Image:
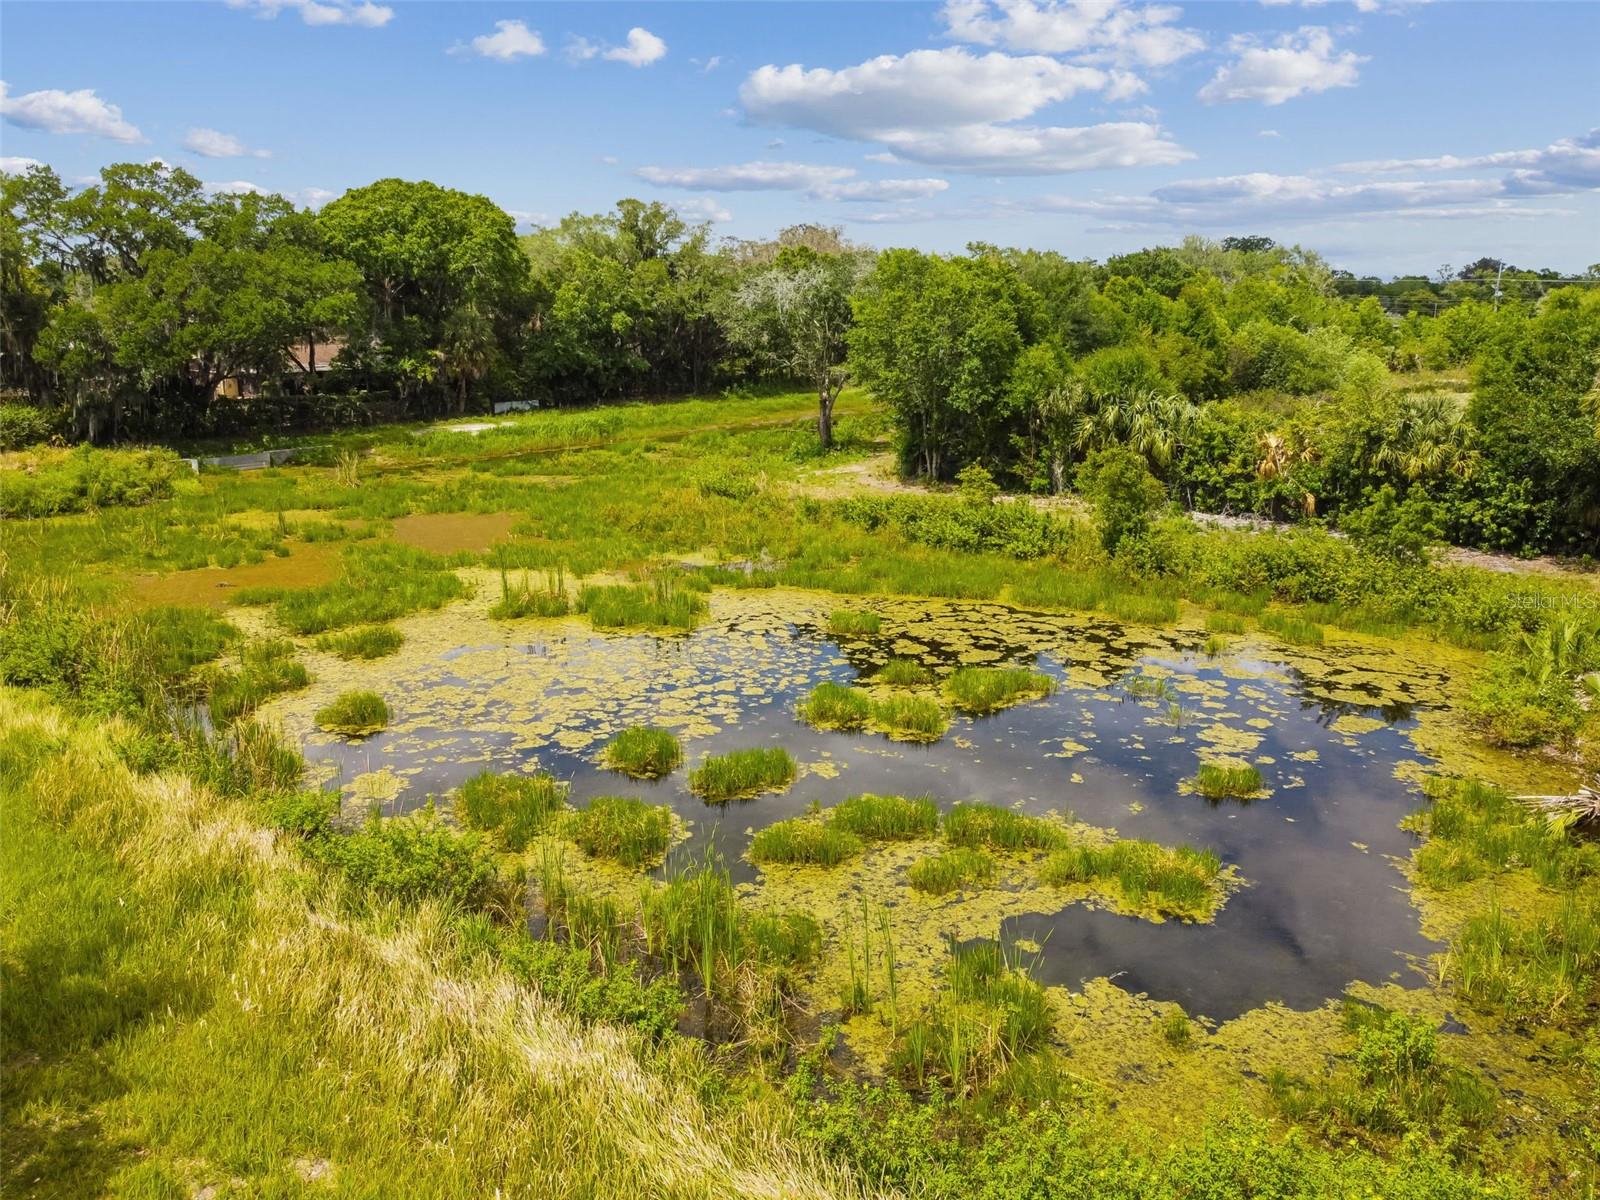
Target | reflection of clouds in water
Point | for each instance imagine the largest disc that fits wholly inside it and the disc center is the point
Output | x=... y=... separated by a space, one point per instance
x=1316 y=913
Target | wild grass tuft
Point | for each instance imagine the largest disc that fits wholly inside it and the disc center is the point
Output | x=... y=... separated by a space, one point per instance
x=266 y=668
x=381 y=581
x=623 y=828
x=1172 y=880
x=354 y=714
x=836 y=706
x=1221 y=781
x=515 y=808
x=363 y=642
x=910 y=718
x=903 y=672
x=1291 y=628
x=959 y=867
x=644 y=752
x=1224 y=622
x=662 y=603
x=845 y=622
x=528 y=600
x=743 y=773
x=1537 y=970
x=804 y=840
x=975 y=826
x=981 y=690
x=886 y=818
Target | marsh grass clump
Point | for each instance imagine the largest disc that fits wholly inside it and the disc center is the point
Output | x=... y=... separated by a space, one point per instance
x=743 y=773
x=643 y=752
x=623 y=828
x=788 y=938
x=1293 y=629
x=1398 y=1084
x=1177 y=881
x=266 y=668
x=1224 y=622
x=1537 y=970
x=530 y=600
x=1141 y=609
x=982 y=690
x=845 y=622
x=956 y=868
x=515 y=808
x=1214 y=646
x=836 y=706
x=1474 y=830
x=1176 y=1029
x=1140 y=686
x=976 y=826
x=363 y=642
x=354 y=714
x=903 y=672
x=886 y=818
x=804 y=840
x=1223 y=781
x=661 y=603
x=380 y=581
x=910 y=718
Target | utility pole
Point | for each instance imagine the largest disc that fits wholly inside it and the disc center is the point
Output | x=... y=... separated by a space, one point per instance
x=1497 y=276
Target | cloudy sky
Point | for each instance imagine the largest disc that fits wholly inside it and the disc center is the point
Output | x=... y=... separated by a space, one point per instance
x=1391 y=136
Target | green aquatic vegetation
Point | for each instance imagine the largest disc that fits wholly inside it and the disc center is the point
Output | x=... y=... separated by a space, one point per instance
x=910 y=718
x=515 y=808
x=804 y=840
x=412 y=858
x=644 y=752
x=1083 y=591
x=786 y=939
x=45 y=482
x=903 y=672
x=528 y=600
x=845 y=622
x=1222 y=781
x=1293 y=629
x=623 y=828
x=1177 y=1029
x=1213 y=646
x=355 y=714
x=662 y=603
x=1175 y=881
x=886 y=818
x=1148 y=687
x=982 y=690
x=380 y=582
x=1542 y=969
x=266 y=668
x=743 y=773
x=1474 y=830
x=836 y=706
x=975 y=826
x=178 y=639
x=1224 y=622
x=1142 y=609
x=1230 y=603
x=952 y=870
x=1398 y=1084
x=362 y=642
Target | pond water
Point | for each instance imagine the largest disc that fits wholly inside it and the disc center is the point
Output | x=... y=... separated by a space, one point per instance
x=1323 y=902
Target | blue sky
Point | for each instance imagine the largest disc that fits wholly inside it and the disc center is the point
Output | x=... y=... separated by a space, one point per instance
x=1389 y=136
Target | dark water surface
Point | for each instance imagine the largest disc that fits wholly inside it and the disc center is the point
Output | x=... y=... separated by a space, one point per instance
x=1323 y=905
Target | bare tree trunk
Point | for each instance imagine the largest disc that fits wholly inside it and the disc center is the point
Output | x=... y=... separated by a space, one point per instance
x=825 y=399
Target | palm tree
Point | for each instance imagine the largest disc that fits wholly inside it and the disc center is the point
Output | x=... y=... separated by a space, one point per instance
x=1427 y=439
x=1280 y=454
x=468 y=350
x=1150 y=422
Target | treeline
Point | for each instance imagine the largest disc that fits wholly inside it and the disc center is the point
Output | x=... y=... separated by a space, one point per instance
x=1249 y=377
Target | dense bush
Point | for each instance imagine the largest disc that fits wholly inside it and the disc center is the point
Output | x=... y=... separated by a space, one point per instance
x=43 y=483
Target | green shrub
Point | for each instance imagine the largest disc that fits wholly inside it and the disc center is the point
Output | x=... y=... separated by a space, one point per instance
x=363 y=642
x=743 y=773
x=413 y=858
x=886 y=818
x=23 y=425
x=981 y=690
x=354 y=714
x=515 y=808
x=956 y=868
x=623 y=828
x=644 y=752
x=45 y=483
x=803 y=840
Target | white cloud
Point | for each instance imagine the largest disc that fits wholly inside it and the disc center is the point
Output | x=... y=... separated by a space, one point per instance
x=703 y=208
x=641 y=49
x=1568 y=165
x=15 y=164
x=1269 y=133
x=952 y=108
x=510 y=41
x=235 y=187
x=55 y=111
x=1095 y=30
x=212 y=143
x=710 y=65
x=817 y=181
x=361 y=13
x=1295 y=64
x=580 y=49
